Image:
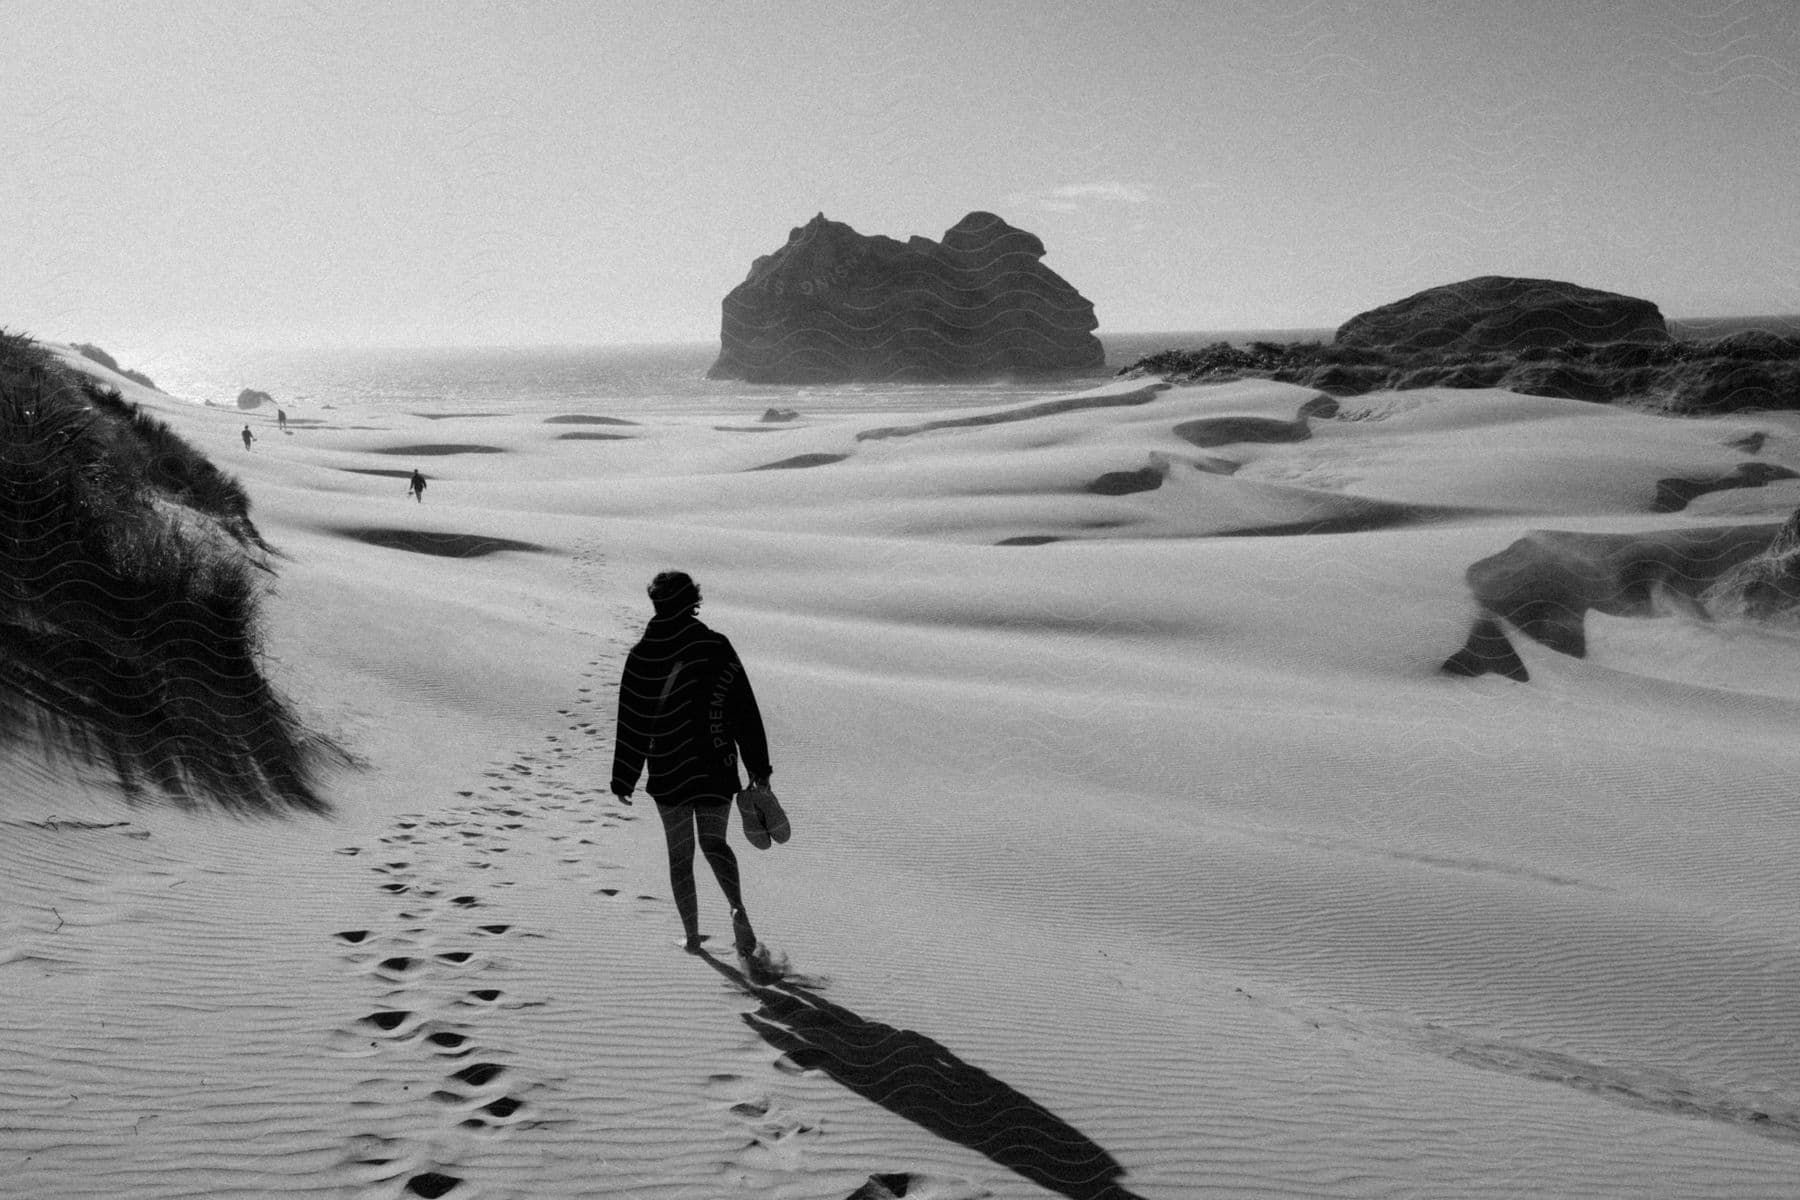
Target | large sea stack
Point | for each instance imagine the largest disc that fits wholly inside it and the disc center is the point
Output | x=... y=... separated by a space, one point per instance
x=833 y=305
x=1501 y=313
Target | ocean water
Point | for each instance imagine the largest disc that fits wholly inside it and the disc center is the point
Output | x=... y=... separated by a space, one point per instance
x=651 y=380
x=630 y=381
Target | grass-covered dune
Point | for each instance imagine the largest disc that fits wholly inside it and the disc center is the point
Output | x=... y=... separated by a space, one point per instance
x=95 y=354
x=1750 y=370
x=130 y=581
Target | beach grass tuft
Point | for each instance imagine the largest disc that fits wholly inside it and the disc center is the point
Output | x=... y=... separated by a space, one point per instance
x=131 y=579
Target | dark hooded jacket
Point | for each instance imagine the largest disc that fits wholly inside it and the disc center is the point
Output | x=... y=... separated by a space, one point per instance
x=686 y=709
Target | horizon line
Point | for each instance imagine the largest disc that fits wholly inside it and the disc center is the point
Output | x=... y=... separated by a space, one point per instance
x=1788 y=319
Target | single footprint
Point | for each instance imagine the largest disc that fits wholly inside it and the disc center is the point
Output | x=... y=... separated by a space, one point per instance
x=914 y=1186
x=391 y=1021
x=431 y=1184
x=479 y=1074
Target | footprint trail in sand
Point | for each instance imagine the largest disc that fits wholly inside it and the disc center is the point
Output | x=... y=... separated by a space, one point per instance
x=448 y=998
x=459 y=979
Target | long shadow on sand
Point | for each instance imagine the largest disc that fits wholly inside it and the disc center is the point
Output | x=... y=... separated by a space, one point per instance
x=914 y=1077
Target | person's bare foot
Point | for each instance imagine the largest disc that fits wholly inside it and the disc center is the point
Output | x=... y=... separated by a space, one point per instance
x=741 y=933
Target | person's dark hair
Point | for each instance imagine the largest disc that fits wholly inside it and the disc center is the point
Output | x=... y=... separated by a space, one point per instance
x=673 y=593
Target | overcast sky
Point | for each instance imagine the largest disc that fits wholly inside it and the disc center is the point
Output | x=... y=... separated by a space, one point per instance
x=300 y=172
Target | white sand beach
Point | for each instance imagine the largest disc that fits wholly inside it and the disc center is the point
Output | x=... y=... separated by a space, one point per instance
x=1142 y=848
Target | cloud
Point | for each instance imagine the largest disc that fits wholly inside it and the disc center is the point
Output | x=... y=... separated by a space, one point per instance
x=1078 y=197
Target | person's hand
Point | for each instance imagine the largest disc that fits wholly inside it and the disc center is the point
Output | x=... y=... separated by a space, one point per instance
x=623 y=798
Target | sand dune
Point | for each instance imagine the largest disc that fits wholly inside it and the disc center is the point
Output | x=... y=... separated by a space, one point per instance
x=1143 y=861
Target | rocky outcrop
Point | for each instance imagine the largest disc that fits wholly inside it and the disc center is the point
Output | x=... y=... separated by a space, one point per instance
x=835 y=305
x=1501 y=313
x=250 y=398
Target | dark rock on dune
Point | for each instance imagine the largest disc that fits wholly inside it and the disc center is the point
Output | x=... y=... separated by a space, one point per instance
x=1544 y=345
x=251 y=398
x=773 y=415
x=1675 y=494
x=1721 y=383
x=1545 y=583
x=1452 y=375
x=1345 y=379
x=1756 y=345
x=1503 y=313
x=835 y=305
x=1561 y=381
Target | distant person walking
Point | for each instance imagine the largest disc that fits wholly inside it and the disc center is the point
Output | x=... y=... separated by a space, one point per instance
x=281 y=419
x=248 y=437
x=416 y=487
x=686 y=709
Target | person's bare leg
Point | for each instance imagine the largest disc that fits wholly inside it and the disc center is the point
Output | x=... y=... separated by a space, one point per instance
x=712 y=821
x=678 y=828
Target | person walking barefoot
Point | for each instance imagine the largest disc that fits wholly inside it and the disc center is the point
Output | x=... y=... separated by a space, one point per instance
x=687 y=711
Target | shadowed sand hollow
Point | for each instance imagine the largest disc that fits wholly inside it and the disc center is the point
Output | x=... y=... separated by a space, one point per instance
x=1048 y=408
x=1224 y=431
x=1675 y=494
x=439 y=449
x=801 y=460
x=1125 y=483
x=440 y=544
